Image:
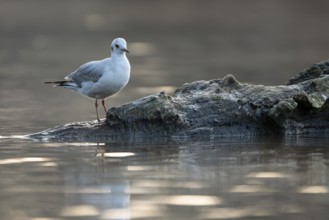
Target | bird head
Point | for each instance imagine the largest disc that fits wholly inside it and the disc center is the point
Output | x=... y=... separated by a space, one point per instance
x=119 y=46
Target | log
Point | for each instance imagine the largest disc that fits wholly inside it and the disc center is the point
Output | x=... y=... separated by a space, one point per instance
x=220 y=107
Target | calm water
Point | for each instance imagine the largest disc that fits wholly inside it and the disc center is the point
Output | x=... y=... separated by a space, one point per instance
x=222 y=179
x=171 y=43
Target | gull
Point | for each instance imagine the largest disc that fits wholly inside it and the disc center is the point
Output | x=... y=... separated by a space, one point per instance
x=100 y=79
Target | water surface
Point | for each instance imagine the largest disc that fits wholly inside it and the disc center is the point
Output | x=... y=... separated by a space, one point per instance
x=219 y=179
x=171 y=43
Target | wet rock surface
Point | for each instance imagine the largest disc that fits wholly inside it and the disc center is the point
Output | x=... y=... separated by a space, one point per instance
x=219 y=107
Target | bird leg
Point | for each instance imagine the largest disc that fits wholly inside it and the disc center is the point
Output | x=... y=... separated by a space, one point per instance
x=96 y=106
x=103 y=103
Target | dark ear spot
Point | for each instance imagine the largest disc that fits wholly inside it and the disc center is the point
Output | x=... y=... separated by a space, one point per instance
x=112 y=48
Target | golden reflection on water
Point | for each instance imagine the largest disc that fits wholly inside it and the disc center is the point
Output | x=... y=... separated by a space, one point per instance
x=86 y=144
x=313 y=189
x=135 y=212
x=123 y=213
x=115 y=154
x=139 y=168
x=234 y=213
x=144 y=209
x=23 y=160
x=267 y=175
x=251 y=189
x=192 y=200
x=244 y=212
x=79 y=210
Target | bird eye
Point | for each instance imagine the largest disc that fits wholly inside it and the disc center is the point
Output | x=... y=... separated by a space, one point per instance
x=117 y=46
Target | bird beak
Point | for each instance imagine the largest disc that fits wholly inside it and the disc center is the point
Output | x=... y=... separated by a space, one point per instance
x=125 y=50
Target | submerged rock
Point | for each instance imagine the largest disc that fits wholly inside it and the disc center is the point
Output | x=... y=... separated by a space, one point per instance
x=220 y=107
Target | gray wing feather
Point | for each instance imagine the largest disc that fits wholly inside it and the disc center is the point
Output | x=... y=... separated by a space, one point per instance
x=89 y=72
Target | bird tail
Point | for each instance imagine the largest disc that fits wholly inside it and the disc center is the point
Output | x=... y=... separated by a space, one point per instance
x=64 y=83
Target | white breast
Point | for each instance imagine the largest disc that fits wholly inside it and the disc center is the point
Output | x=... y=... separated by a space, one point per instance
x=116 y=74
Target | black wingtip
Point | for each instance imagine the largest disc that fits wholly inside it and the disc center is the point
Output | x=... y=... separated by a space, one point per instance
x=57 y=83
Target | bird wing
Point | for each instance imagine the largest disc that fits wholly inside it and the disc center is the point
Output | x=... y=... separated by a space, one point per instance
x=89 y=72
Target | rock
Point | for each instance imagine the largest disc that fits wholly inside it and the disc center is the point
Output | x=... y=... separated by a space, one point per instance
x=315 y=71
x=220 y=107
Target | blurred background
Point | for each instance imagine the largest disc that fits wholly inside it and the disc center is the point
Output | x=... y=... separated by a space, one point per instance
x=170 y=43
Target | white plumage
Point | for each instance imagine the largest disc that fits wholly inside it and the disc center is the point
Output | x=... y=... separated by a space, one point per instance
x=102 y=78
